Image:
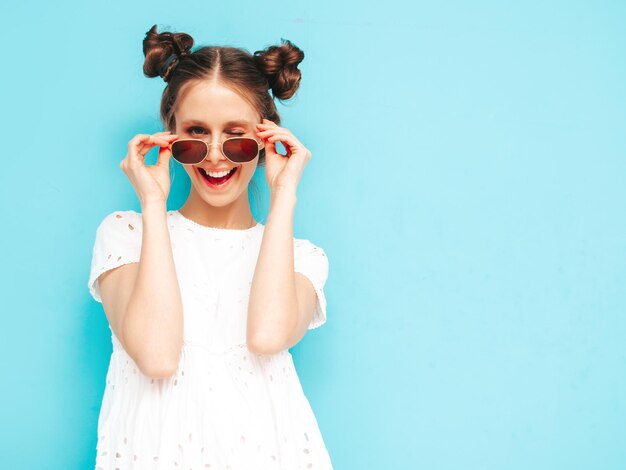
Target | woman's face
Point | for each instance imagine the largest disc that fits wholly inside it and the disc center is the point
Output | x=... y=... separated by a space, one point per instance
x=209 y=111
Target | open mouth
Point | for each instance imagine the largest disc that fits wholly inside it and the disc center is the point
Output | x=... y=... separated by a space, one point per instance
x=214 y=181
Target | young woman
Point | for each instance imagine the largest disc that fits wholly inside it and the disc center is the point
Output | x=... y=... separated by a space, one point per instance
x=203 y=302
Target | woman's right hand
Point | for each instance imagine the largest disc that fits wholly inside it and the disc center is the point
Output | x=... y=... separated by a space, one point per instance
x=151 y=183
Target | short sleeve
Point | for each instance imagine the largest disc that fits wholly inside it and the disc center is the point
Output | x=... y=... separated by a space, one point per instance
x=311 y=261
x=118 y=242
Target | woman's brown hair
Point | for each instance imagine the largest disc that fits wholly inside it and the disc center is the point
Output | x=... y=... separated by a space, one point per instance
x=251 y=75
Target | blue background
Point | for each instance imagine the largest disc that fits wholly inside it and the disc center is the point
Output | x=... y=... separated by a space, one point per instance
x=467 y=184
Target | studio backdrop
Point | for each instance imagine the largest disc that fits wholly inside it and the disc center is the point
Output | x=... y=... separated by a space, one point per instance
x=466 y=183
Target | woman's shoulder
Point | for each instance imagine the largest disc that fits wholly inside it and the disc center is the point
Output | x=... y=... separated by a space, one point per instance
x=132 y=214
x=305 y=242
x=304 y=247
x=310 y=259
x=120 y=214
x=118 y=218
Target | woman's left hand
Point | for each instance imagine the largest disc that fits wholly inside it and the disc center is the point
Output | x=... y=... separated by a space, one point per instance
x=282 y=171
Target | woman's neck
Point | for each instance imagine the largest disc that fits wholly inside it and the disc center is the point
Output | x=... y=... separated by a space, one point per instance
x=236 y=215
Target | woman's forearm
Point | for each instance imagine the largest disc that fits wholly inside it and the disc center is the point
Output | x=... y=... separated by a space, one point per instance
x=272 y=308
x=153 y=321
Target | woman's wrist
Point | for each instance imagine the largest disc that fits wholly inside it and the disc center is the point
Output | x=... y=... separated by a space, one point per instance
x=153 y=206
x=283 y=198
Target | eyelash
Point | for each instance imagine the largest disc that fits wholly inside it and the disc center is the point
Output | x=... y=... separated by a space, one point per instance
x=189 y=130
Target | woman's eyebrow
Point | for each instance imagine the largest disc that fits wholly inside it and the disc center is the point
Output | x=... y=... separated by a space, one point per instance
x=235 y=122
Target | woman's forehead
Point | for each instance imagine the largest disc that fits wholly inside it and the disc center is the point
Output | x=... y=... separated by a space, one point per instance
x=213 y=103
x=208 y=97
x=192 y=121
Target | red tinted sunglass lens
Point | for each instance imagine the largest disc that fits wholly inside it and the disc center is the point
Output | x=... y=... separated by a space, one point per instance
x=241 y=150
x=189 y=151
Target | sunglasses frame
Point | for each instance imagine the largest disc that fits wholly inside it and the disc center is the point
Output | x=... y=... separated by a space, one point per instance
x=260 y=149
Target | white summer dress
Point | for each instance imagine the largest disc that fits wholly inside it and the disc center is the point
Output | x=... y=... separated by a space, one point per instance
x=225 y=408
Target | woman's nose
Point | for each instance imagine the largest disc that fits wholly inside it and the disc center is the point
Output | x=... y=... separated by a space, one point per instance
x=215 y=153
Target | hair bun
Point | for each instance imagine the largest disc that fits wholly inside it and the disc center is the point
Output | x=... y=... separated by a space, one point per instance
x=280 y=65
x=159 y=47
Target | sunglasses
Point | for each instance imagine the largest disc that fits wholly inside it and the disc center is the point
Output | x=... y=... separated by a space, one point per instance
x=236 y=149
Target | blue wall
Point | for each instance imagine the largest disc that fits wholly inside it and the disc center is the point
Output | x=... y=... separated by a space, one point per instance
x=467 y=184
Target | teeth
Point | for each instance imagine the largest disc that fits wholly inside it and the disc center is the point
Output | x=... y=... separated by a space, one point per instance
x=217 y=174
